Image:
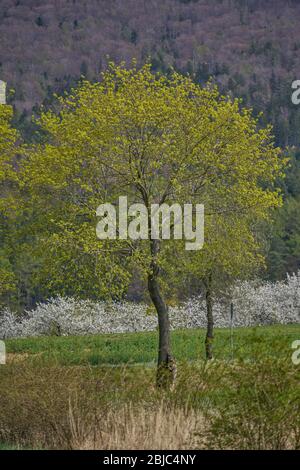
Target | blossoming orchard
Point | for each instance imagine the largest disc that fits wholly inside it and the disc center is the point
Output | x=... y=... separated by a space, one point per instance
x=255 y=304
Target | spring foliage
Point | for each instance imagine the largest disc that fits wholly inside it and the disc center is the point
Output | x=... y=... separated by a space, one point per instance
x=154 y=139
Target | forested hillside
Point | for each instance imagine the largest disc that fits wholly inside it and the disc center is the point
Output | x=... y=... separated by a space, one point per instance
x=250 y=47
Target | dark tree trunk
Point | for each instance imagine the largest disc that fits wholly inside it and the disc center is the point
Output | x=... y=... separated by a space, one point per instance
x=165 y=363
x=210 y=320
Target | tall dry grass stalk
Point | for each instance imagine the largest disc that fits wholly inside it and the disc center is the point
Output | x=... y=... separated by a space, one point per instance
x=136 y=428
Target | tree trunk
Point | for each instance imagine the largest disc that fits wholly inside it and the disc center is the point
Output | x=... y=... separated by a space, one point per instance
x=166 y=369
x=210 y=321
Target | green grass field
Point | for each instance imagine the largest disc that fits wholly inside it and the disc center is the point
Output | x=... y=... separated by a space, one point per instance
x=132 y=348
x=9 y=447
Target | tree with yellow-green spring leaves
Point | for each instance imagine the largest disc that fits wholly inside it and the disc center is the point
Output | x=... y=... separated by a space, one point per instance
x=154 y=139
x=9 y=146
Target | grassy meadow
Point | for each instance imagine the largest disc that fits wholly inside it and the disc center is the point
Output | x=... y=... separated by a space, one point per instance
x=140 y=348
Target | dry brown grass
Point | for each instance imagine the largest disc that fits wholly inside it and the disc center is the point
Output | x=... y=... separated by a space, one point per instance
x=16 y=357
x=78 y=408
x=137 y=428
x=215 y=406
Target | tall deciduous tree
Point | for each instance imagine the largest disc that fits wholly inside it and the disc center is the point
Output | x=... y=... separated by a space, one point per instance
x=155 y=140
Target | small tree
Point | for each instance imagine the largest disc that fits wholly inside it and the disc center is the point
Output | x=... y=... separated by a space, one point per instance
x=234 y=249
x=8 y=158
x=155 y=140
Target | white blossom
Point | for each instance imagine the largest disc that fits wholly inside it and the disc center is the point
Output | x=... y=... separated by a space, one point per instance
x=255 y=303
